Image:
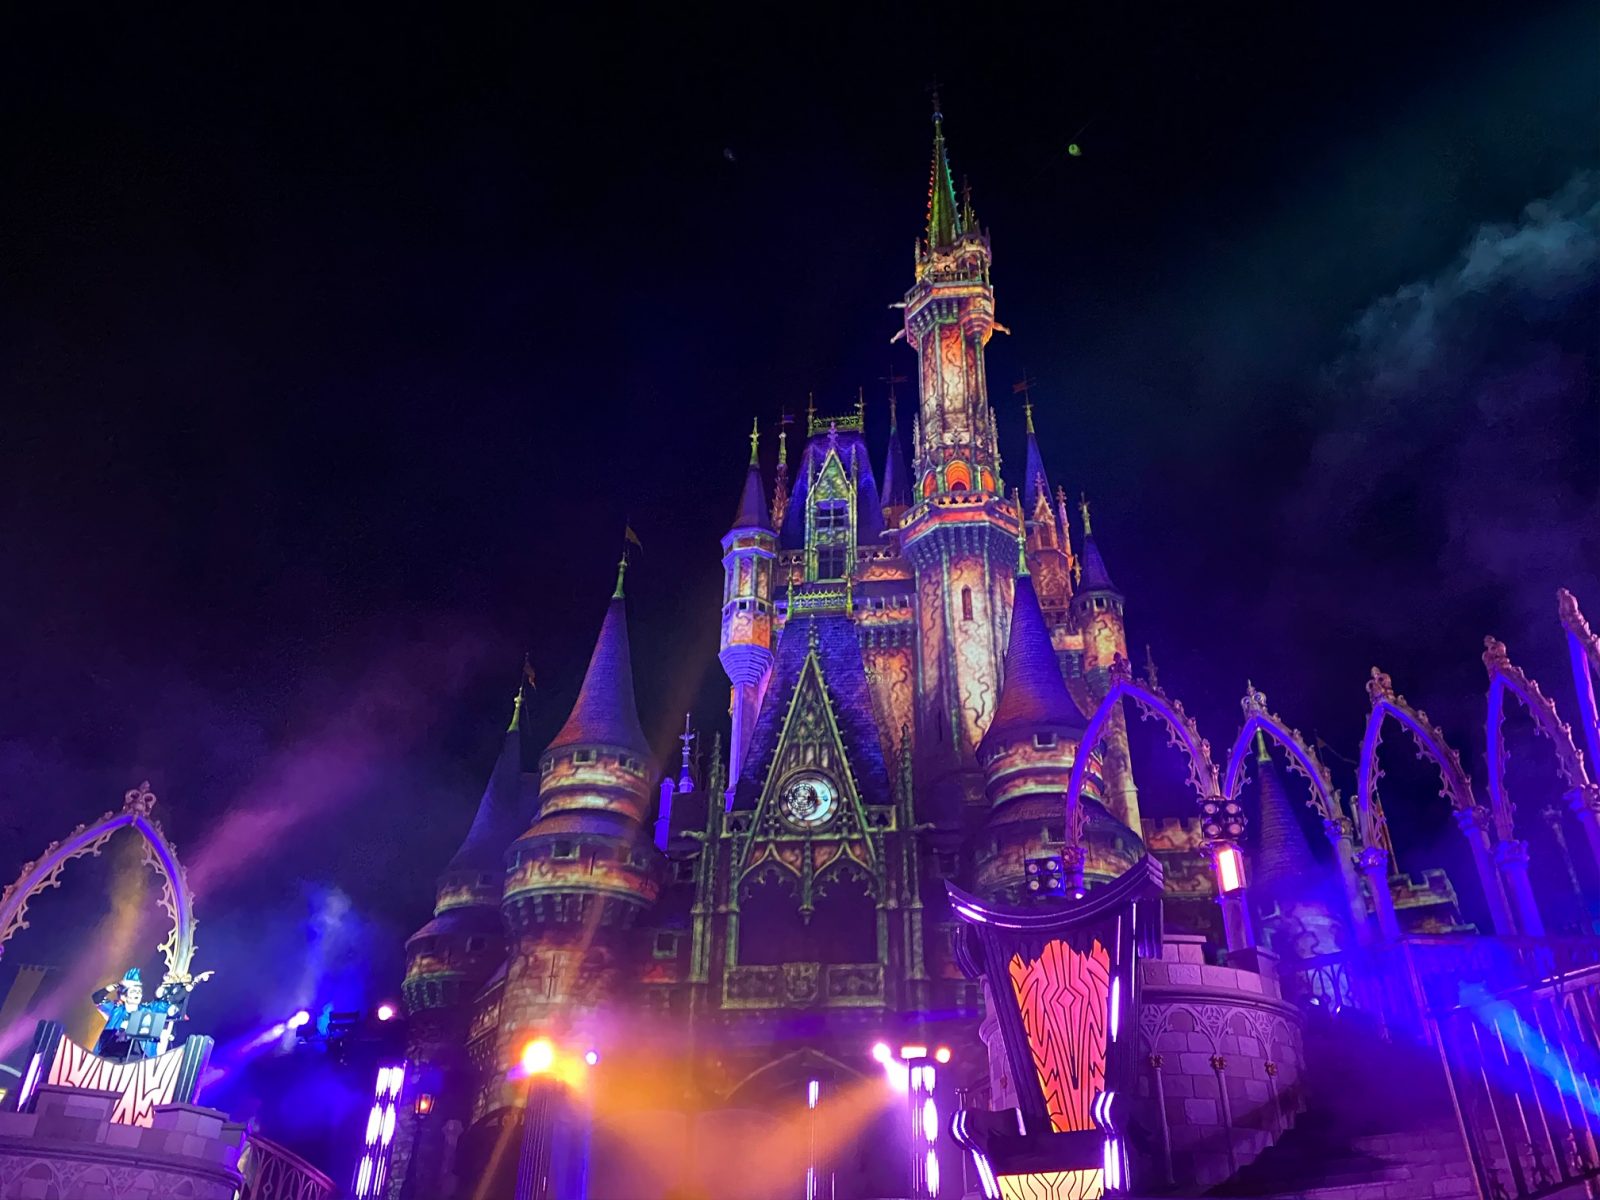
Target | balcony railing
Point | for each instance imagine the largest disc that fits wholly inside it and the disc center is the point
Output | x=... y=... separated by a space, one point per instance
x=274 y=1173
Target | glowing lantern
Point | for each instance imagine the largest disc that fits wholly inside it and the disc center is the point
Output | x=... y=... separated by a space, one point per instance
x=1230 y=868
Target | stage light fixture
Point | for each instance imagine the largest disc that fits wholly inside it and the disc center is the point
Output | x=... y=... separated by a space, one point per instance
x=538 y=1056
x=385 y=1012
x=591 y=1057
x=942 y=1054
x=300 y=1018
x=881 y=1052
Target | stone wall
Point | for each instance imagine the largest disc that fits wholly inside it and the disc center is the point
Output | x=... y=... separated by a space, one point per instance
x=68 y=1149
x=1220 y=1079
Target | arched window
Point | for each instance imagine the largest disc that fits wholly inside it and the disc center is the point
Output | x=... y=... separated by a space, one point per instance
x=844 y=920
x=771 y=930
x=966 y=604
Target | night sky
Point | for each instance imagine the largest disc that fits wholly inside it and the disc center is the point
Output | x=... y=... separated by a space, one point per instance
x=338 y=345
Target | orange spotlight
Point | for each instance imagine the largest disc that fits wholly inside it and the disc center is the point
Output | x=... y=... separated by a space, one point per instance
x=538 y=1056
x=942 y=1054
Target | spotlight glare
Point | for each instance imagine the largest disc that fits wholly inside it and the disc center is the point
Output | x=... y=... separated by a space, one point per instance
x=300 y=1018
x=278 y=1030
x=592 y=1057
x=538 y=1056
x=913 y=1052
x=881 y=1052
x=385 y=1012
x=942 y=1054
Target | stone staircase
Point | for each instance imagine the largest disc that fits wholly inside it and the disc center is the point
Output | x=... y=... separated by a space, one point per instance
x=1378 y=1125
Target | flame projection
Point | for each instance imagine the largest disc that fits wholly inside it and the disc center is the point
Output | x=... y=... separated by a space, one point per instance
x=1064 y=997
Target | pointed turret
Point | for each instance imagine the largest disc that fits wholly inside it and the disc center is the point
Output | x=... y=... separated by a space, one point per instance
x=1034 y=697
x=896 y=476
x=1097 y=613
x=605 y=713
x=1095 y=577
x=1027 y=757
x=749 y=557
x=752 y=512
x=1298 y=901
x=1283 y=855
x=584 y=870
x=451 y=957
x=501 y=815
x=944 y=218
x=1034 y=480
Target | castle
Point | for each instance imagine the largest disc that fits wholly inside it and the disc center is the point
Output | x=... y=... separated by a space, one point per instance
x=913 y=656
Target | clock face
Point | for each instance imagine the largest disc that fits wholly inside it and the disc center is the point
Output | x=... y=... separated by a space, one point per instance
x=809 y=801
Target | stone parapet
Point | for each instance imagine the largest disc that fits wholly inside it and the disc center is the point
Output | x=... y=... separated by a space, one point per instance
x=1223 y=1060
x=68 y=1147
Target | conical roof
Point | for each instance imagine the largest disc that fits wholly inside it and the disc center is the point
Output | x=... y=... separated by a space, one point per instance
x=1035 y=694
x=606 y=713
x=1033 y=474
x=1095 y=576
x=1282 y=853
x=500 y=815
x=752 y=512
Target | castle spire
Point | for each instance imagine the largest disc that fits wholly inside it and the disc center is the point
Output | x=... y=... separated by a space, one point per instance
x=1095 y=577
x=500 y=816
x=896 y=476
x=752 y=512
x=605 y=713
x=944 y=219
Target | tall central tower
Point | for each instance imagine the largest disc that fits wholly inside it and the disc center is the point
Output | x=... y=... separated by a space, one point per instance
x=961 y=533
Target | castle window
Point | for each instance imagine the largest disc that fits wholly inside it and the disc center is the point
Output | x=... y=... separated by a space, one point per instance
x=833 y=516
x=1054 y=833
x=477 y=944
x=666 y=945
x=683 y=870
x=583 y=756
x=547 y=766
x=564 y=850
x=1044 y=741
x=830 y=562
x=966 y=604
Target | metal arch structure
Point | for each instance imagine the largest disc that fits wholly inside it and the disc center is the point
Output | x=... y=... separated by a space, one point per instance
x=1505 y=676
x=45 y=872
x=1584 y=649
x=1324 y=797
x=1455 y=786
x=1303 y=759
x=1153 y=703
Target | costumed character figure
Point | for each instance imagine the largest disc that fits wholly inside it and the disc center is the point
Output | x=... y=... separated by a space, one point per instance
x=136 y=1027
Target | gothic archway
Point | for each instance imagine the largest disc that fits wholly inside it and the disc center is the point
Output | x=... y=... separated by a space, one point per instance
x=772 y=928
x=1505 y=676
x=1153 y=704
x=1302 y=759
x=1455 y=786
x=1324 y=799
x=45 y=872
